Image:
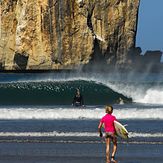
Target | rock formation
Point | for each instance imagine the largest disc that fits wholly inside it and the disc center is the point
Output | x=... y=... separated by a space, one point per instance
x=66 y=34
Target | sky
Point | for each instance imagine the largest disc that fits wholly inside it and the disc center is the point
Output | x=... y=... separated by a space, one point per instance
x=150 y=25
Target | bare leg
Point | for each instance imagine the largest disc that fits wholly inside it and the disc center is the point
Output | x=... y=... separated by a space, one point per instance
x=114 y=149
x=107 y=140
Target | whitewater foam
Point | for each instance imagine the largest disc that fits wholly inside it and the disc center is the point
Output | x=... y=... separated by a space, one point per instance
x=74 y=134
x=152 y=96
x=76 y=113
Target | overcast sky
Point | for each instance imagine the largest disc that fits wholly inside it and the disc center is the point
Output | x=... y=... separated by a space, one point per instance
x=150 y=25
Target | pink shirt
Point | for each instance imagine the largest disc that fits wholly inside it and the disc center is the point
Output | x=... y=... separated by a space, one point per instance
x=108 y=121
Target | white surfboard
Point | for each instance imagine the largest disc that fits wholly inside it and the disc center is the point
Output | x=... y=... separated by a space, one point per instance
x=121 y=131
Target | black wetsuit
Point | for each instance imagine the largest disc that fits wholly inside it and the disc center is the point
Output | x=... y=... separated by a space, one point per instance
x=78 y=100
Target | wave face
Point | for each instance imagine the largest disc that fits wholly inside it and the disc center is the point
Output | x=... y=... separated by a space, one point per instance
x=56 y=93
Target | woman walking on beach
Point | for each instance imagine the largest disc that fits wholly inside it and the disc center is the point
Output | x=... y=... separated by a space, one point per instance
x=108 y=122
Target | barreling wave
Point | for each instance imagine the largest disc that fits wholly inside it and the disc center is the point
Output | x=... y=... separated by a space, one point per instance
x=56 y=93
x=76 y=113
x=58 y=88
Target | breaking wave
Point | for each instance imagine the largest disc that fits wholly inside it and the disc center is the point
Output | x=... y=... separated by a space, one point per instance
x=59 y=88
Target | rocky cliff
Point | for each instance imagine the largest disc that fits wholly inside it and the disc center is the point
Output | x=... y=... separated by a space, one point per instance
x=66 y=34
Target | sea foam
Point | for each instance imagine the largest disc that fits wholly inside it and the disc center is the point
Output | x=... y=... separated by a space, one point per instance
x=78 y=113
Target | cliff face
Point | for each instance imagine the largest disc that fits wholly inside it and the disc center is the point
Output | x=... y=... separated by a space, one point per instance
x=66 y=34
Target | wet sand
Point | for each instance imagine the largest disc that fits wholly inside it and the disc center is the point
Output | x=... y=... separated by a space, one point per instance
x=74 y=152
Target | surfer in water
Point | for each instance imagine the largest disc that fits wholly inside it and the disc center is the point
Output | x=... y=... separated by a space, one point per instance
x=78 y=99
x=108 y=122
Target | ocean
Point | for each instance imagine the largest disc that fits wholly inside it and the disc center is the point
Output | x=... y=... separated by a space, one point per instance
x=39 y=124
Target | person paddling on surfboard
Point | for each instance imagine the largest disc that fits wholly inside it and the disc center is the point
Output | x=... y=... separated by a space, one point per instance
x=110 y=133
